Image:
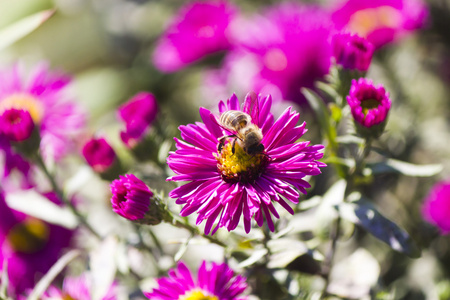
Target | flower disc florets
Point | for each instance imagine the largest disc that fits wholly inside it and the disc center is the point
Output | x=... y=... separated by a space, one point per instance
x=240 y=166
x=226 y=185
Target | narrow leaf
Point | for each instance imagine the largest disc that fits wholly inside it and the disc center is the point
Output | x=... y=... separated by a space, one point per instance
x=21 y=28
x=397 y=166
x=256 y=255
x=363 y=213
x=48 y=278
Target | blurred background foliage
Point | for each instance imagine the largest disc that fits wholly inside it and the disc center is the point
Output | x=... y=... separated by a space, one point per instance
x=107 y=44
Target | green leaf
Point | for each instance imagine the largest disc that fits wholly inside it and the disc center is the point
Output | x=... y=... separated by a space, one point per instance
x=21 y=28
x=323 y=115
x=397 y=166
x=364 y=214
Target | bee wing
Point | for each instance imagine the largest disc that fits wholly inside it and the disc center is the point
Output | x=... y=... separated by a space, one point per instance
x=227 y=130
x=251 y=107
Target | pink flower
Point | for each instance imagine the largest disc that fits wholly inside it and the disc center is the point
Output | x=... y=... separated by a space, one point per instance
x=16 y=124
x=380 y=21
x=279 y=52
x=352 y=52
x=99 y=154
x=436 y=207
x=214 y=282
x=78 y=288
x=130 y=197
x=198 y=29
x=228 y=183
x=45 y=96
x=29 y=246
x=138 y=113
x=369 y=105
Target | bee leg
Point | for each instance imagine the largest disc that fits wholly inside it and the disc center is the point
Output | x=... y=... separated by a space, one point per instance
x=233 y=147
x=222 y=142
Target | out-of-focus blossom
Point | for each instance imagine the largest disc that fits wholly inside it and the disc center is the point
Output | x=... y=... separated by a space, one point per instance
x=99 y=154
x=130 y=197
x=16 y=124
x=436 y=207
x=351 y=51
x=29 y=246
x=279 y=52
x=44 y=95
x=199 y=28
x=137 y=113
x=226 y=185
x=77 y=288
x=370 y=106
x=380 y=21
x=13 y=165
x=214 y=282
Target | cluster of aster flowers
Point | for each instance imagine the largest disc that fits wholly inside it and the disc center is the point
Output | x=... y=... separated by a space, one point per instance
x=237 y=167
x=287 y=46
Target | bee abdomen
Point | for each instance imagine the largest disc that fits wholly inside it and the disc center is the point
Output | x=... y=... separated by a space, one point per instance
x=234 y=119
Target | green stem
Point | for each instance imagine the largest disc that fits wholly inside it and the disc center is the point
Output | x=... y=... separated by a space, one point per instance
x=61 y=196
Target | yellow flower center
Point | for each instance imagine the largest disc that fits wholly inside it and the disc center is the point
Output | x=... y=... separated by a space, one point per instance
x=366 y=20
x=197 y=295
x=66 y=296
x=25 y=102
x=29 y=236
x=240 y=166
x=369 y=104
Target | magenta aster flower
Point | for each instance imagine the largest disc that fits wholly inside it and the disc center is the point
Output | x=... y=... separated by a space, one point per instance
x=78 y=288
x=436 y=207
x=352 y=52
x=380 y=21
x=29 y=246
x=130 y=197
x=215 y=282
x=44 y=95
x=281 y=51
x=16 y=124
x=369 y=105
x=138 y=113
x=99 y=154
x=198 y=29
x=226 y=185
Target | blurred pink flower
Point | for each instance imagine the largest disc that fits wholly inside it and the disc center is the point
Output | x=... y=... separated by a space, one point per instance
x=44 y=95
x=279 y=52
x=351 y=51
x=137 y=113
x=29 y=246
x=198 y=29
x=16 y=124
x=380 y=21
x=78 y=288
x=436 y=207
x=99 y=154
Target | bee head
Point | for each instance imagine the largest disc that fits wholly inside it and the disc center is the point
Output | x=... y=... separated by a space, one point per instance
x=255 y=149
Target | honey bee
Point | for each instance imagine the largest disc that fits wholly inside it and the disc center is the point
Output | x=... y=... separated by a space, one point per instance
x=247 y=134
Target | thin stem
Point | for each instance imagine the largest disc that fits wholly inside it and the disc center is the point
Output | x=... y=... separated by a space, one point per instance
x=336 y=229
x=61 y=196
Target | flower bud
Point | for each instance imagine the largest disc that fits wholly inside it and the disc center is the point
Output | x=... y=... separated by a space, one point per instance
x=369 y=105
x=99 y=154
x=133 y=200
x=16 y=124
x=352 y=52
x=137 y=113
